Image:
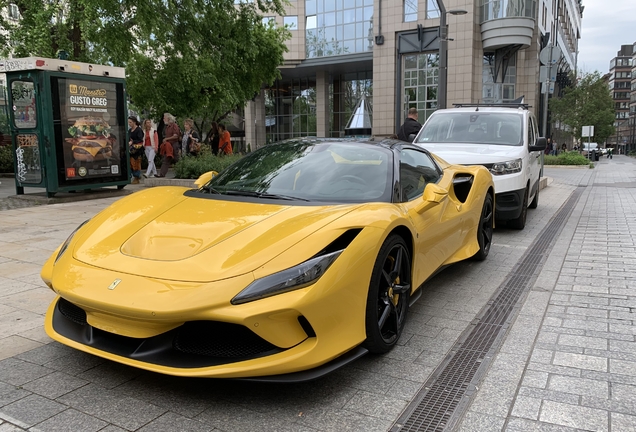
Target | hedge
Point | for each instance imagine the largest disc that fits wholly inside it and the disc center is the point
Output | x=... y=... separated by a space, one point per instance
x=567 y=158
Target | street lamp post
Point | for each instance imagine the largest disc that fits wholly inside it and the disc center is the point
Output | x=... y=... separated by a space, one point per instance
x=443 y=52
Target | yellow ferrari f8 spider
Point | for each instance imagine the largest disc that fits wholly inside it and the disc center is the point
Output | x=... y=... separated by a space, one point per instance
x=300 y=257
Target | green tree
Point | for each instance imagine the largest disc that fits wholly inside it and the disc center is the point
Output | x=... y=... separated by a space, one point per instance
x=587 y=103
x=193 y=58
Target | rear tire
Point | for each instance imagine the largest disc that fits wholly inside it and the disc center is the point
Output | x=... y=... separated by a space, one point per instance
x=388 y=298
x=484 y=229
x=520 y=222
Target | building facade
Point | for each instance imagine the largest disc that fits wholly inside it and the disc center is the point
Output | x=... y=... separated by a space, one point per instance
x=385 y=54
x=620 y=84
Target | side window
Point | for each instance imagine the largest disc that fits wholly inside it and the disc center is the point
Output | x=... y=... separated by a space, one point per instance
x=531 y=131
x=24 y=108
x=417 y=169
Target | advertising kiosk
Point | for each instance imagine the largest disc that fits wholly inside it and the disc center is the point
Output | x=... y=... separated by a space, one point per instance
x=68 y=124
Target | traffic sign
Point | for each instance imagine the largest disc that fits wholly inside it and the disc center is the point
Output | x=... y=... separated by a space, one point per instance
x=550 y=55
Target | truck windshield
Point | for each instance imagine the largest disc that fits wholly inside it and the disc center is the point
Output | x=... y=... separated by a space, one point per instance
x=473 y=128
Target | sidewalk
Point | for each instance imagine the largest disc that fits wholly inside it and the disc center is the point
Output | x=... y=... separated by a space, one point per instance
x=567 y=362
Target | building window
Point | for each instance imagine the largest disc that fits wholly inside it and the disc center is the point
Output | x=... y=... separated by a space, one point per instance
x=338 y=27
x=290 y=109
x=269 y=20
x=421 y=78
x=14 y=12
x=496 y=90
x=495 y=9
x=291 y=22
x=345 y=93
x=432 y=9
x=410 y=10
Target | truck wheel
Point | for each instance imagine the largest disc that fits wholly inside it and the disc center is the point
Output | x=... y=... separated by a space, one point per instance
x=520 y=222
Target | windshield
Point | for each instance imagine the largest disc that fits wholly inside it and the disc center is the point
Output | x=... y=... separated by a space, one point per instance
x=310 y=171
x=473 y=127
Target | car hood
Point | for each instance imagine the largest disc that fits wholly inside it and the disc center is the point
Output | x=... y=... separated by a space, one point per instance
x=196 y=239
x=474 y=154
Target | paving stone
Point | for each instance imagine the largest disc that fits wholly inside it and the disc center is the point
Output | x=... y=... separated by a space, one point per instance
x=8 y=427
x=111 y=406
x=10 y=393
x=622 y=422
x=375 y=405
x=583 y=341
x=526 y=407
x=70 y=420
x=110 y=374
x=45 y=353
x=75 y=363
x=622 y=367
x=579 y=386
x=170 y=422
x=580 y=361
x=18 y=372
x=574 y=416
x=54 y=385
x=549 y=395
x=30 y=410
x=14 y=344
x=477 y=422
x=535 y=379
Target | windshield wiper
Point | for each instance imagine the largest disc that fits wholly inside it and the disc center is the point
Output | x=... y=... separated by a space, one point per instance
x=263 y=195
x=210 y=189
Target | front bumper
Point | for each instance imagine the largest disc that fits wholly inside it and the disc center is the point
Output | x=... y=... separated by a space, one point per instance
x=509 y=204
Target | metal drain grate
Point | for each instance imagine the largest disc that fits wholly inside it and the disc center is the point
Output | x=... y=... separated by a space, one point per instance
x=441 y=402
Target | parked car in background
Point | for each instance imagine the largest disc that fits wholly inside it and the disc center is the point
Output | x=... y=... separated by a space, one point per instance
x=501 y=137
x=591 y=151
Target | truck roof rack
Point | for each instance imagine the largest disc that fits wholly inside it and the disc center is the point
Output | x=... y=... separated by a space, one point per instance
x=495 y=105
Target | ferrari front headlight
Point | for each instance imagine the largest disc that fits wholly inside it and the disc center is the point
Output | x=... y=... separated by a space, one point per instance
x=68 y=241
x=287 y=280
x=508 y=167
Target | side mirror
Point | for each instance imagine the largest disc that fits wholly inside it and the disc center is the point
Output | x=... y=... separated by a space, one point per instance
x=204 y=178
x=433 y=195
x=539 y=145
x=412 y=137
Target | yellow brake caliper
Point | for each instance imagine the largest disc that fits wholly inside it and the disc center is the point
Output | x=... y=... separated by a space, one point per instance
x=394 y=298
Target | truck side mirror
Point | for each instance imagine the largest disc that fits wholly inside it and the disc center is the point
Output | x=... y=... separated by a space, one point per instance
x=539 y=145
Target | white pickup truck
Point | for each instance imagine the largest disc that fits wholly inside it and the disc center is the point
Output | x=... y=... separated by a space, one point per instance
x=503 y=138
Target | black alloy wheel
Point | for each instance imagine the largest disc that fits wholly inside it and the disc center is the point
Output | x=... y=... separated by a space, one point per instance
x=388 y=298
x=485 y=230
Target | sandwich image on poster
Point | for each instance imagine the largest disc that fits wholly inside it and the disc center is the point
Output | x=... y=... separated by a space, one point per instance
x=92 y=140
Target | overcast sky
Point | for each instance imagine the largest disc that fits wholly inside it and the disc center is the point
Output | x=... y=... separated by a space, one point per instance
x=607 y=24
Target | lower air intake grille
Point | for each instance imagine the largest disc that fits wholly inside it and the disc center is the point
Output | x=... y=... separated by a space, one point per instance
x=72 y=312
x=216 y=339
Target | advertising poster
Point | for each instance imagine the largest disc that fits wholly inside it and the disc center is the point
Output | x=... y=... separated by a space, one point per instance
x=92 y=135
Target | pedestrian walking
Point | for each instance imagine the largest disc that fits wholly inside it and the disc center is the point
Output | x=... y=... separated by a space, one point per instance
x=225 y=145
x=190 y=139
x=135 y=144
x=410 y=127
x=172 y=134
x=151 y=145
x=167 y=156
x=213 y=138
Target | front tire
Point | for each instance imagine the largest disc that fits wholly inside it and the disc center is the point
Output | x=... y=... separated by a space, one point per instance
x=484 y=229
x=520 y=222
x=535 y=201
x=388 y=298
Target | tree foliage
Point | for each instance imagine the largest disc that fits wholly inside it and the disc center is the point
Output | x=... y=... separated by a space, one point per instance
x=193 y=58
x=587 y=103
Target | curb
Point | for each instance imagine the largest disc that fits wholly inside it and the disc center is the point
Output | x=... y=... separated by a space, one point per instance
x=153 y=181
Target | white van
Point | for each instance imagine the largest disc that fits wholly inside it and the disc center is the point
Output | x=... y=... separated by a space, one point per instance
x=503 y=138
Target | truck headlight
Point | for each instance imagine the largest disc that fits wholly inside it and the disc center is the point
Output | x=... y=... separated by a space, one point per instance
x=508 y=167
